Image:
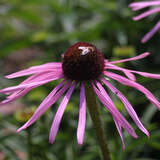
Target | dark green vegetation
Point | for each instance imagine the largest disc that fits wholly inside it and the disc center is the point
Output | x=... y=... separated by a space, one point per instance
x=34 y=32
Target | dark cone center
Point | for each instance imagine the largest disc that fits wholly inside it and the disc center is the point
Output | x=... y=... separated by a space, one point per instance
x=82 y=61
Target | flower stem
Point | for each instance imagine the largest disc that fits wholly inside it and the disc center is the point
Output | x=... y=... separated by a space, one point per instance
x=95 y=116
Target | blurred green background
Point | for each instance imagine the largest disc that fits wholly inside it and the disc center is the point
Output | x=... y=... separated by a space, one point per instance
x=34 y=32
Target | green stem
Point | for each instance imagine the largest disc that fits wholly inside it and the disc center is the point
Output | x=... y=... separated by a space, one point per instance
x=95 y=116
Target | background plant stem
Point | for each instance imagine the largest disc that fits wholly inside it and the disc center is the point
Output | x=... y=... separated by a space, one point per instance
x=95 y=116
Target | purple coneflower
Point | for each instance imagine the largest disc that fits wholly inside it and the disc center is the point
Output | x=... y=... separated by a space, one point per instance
x=143 y=4
x=81 y=63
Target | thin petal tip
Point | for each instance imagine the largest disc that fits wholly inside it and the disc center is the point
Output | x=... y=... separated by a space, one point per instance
x=51 y=141
x=147 y=53
x=79 y=141
x=135 y=19
x=1 y=91
x=131 y=5
x=135 y=136
x=80 y=144
x=148 y=135
x=20 y=129
x=123 y=147
x=144 y=40
x=8 y=77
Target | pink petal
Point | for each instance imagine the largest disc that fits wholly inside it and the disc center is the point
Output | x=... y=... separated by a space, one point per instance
x=82 y=116
x=20 y=93
x=131 y=59
x=104 y=93
x=130 y=75
x=116 y=114
x=127 y=105
x=118 y=126
x=16 y=96
x=133 y=84
x=32 y=84
x=33 y=78
x=145 y=14
x=145 y=74
x=151 y=33
x=140 y=5
x=47 y=102
x=59 y=114
x=125 y=71
x=37 y=69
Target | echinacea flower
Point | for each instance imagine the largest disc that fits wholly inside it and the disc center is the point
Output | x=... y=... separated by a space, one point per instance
x=155 y=8
x=82 y=63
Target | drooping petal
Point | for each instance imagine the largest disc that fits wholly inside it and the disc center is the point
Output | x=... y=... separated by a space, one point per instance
x=20 y=93
x=119 y=128
x=145 y=14
x=127 y=105
x=117 y=123
x=82 y=116
x=56 y=68
x=104 y=93
x=113 y=110
x=131 y=59
x=130 y=75
x=148 y=75
x=133 y=84
x=151 y=32
x=125 y=71
x=47 y=102
x=15 y=96
x=33 y=78
x=140 y=5
x=144 y=74
x=59 y=114
x=32 y=84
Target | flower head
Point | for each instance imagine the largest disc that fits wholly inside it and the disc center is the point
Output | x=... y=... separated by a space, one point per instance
x=81 y=62
x=143 y=4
